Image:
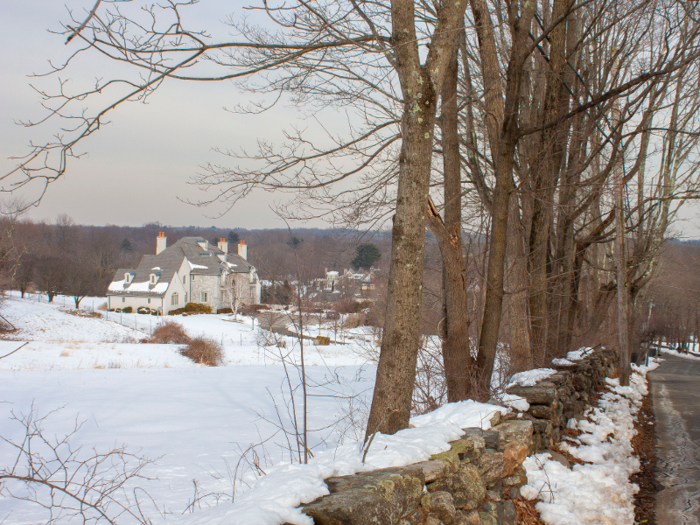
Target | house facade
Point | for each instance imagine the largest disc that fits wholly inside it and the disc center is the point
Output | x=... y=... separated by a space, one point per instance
x=190 y=271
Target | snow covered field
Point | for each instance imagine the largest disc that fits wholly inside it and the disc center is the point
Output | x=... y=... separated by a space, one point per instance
x=212 y=431
x=195 y=420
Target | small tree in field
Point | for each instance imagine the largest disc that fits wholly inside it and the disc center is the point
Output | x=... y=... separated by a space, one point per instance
x=236 y=291
x=366 y=256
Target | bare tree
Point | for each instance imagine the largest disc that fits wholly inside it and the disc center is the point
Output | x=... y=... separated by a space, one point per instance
x=68 y=482
x=236 y=292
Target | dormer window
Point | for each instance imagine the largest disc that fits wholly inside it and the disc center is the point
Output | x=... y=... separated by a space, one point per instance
x=154 y=278
x=128 y=277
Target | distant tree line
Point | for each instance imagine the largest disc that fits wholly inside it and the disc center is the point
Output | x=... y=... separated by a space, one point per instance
x=78 y=261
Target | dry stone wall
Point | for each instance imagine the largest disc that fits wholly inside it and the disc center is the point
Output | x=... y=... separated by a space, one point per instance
x=565 y=395
x=473 y=482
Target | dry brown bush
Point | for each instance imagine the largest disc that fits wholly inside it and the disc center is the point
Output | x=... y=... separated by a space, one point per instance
x=103 y=306
x=169 y=332
x=203 y=351
x=85 y=313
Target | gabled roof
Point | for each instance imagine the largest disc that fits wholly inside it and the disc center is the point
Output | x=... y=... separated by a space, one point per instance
x=168 y=262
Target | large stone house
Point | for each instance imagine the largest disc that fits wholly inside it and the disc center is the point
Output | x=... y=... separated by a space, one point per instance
x=190 y=271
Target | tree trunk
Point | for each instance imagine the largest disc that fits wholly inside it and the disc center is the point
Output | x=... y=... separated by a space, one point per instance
x=420 y=85
x=458 y=362
x=456 y=352
x=503 y=152
x=516 y=301
x=546 y=167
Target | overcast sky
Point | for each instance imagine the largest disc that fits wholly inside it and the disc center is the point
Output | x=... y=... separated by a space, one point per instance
x=137 y=168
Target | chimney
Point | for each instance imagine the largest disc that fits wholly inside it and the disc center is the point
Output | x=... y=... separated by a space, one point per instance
x=161 y=242
x=243 y=250
x=223 y=245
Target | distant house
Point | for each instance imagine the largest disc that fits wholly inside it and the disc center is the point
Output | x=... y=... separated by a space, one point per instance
x=190 y=271
x=334 y=285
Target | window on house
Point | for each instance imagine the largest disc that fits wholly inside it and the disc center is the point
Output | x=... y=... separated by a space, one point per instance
x=123 y=299
x=127 y=277
x=174 y=299
x=185 y=297
x=205 y=297
x=149 y=300
x=154 y=278
x=193 y=277
x=184 y=281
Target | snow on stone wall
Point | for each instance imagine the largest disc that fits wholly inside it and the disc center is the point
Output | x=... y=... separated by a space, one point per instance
x=472 y=482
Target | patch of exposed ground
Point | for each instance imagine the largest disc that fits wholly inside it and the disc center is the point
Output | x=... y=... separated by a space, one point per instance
x=644 y=444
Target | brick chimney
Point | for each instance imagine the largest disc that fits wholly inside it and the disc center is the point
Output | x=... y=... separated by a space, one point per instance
x=243 y=250
x=161 y=242
x=223 y=245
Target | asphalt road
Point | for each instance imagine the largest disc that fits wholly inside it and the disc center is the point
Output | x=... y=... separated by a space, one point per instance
x=676 y=393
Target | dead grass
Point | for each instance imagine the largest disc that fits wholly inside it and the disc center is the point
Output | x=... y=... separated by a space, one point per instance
x=103 y=306
x=203 y=351
x=64 y=353
x=85 y=313
x=169 y=332
x=526 y=511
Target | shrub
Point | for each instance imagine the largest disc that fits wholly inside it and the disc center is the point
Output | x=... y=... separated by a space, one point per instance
x=198 y=308
x=127 y=310
x=251 y=309
x=204 y=351
x=169 y=333
x=225 y=311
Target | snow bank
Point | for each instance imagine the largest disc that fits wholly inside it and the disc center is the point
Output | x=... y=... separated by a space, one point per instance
x=573 y=356
x=598 y=492
x=689 y=356
x=531 y=377
x=274 y=498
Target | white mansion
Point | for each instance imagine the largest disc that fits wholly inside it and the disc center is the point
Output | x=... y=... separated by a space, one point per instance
x=190 y=271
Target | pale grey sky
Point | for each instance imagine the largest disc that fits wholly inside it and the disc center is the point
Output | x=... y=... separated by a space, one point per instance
x=138 y=167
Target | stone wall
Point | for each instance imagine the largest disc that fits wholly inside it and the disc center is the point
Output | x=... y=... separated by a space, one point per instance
x=565 y=395
x=474 y=481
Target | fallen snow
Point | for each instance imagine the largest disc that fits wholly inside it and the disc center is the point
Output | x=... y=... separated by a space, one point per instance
x=45 y=322
x=598 y=492
x=577 y=355
x=531 y=377
x=689 y=356
x=562 y=361
x=41 y=356
x=198 y=421
x=274 y=498
x=516 y=402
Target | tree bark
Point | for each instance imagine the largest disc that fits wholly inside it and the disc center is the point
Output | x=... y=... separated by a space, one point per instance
x=420 y=86
x=504 y=152
x=456 y=353
x=457 y=359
